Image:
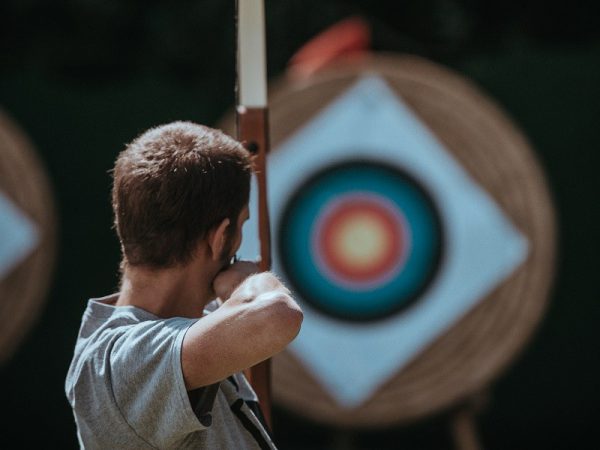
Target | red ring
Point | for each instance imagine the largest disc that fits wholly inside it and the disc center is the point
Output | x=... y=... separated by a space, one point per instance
x=343 y=212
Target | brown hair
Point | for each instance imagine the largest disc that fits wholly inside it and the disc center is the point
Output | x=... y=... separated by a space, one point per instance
x=172 y=184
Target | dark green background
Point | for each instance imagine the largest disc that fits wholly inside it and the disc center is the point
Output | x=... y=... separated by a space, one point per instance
x=84 y=77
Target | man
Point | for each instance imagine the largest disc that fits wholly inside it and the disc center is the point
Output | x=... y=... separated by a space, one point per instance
x=153 y=367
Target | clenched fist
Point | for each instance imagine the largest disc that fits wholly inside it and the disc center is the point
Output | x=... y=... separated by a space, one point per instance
x=229 y=279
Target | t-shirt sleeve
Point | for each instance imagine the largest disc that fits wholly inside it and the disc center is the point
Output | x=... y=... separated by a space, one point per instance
x=147 y=381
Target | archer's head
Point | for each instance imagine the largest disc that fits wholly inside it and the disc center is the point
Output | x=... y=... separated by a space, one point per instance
x=177 y=186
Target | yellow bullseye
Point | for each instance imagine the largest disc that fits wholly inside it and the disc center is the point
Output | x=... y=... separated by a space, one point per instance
x=361 y=241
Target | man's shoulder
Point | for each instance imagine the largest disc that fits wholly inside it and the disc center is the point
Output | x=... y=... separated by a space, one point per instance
x=119 y=342
x=109 y=331
x=103 y=324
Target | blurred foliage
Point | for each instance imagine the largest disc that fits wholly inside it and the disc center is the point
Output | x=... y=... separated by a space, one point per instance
x=106 y=39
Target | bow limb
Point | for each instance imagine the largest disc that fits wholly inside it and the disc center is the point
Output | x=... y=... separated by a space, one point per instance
x=253 y=133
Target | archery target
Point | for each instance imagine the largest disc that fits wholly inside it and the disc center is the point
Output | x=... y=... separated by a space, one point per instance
x=27 y=235
x=411 y=222
x=360 y=240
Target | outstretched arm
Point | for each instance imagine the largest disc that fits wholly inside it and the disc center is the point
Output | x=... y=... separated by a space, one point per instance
x=258 y=319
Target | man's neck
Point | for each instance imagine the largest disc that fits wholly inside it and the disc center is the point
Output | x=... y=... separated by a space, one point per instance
x=173 y=292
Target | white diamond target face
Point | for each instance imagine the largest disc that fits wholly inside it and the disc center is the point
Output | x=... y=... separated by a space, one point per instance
x=383 y=238
x=360 y=240
x=18 y=236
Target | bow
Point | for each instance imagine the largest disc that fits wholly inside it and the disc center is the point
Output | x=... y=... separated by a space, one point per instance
x=252 y=132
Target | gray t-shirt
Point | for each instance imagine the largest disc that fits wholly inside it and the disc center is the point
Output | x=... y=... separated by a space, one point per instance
x=126 y=388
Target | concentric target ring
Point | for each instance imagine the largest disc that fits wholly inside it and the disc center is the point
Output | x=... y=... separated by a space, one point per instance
x=360 y=240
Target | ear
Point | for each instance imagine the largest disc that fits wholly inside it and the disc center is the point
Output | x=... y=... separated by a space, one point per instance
x=217 y=238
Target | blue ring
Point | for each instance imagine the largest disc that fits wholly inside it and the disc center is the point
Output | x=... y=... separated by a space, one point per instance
x=302 y=211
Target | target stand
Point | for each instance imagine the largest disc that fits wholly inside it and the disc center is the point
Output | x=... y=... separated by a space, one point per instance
x=413 y=224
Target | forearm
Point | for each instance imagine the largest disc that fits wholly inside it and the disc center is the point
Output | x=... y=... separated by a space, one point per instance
x=256 y=322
